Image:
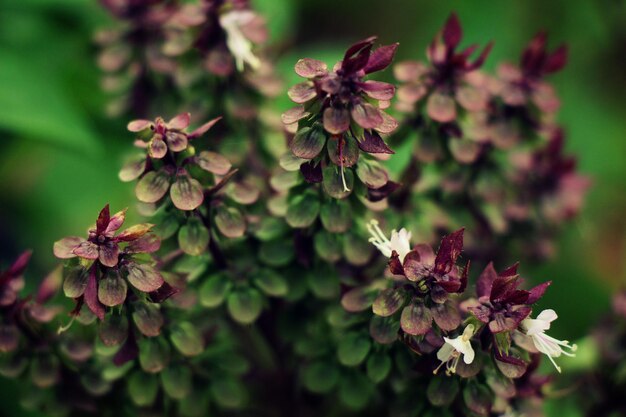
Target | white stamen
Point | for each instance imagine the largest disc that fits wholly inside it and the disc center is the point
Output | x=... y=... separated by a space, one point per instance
x=400 y=241
x=343 y=180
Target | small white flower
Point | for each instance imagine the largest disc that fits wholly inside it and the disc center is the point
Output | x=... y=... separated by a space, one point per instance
x=450 y=353
x=551 y=347
x=237 y=43
x=400 y=241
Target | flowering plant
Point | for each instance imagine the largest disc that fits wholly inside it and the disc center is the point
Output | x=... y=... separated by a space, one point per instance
x=255 y=288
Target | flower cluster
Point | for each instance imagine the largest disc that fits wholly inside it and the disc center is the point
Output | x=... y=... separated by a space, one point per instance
x=500 y=132
x=108 y=261
x=165 y=308
x=131 y=56
x=340 y=115
x=493 y=334
x=447 y=82
x=226 y=32
x=172 y=165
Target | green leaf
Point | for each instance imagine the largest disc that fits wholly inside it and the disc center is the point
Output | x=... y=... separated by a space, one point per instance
x=355 y=390
x=388 y=302
x=213 y=291
x=147 y=318
x=187 y=339
x=230 y=222
x=112 y=290
x=378 y=367
x=416 y=319
x=353 y=349
x=245 y=305
x=271 y=282
x=75 y=282
x=336 y=215
x=320 y=377
x=324 y=283
x=176 y=381
x=186 y=193
x=308 y=142
x=152 y=186
x=384 y=329
x=113 y=329
x=303 y=210
x=327 y=246
x=193 y=237
x=333 y=182
x=154 y=354
x=142 y=388
x=277 y=252
x=442 y=390
x=228 y=392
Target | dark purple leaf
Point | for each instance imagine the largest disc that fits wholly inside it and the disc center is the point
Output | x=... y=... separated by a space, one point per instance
x=163 y=293
x=127 y=352
x=91 y=295
x=556 y=61
x=357 y=55
x=383 y=192
x=395 y=266
x=452 y=32
x=481 y=58
x=449 y=250
x=312 y=172
x=485 y=281
x=380 y=58
x=103 y=220
x=373 y=143
x=203 y=129
x=537 y=292
x=19 y=266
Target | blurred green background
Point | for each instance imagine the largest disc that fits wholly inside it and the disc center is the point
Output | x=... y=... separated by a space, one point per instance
x=60 y=154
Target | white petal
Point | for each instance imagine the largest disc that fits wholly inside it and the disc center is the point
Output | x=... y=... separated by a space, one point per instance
x=445 y=352
x=547 y=315
x=468 y=355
